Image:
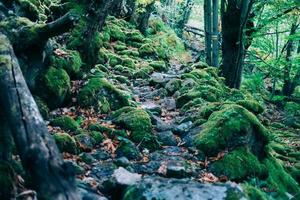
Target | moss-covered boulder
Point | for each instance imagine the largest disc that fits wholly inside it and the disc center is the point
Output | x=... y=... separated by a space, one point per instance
x=57 y=86
x=252 y=106
x=100 y=88
x=116 y=32
x=173 y=85
x=292 y=114
x=66 y=123
x=230 y=127
x=110 y=132
x=65 y=143
x=43 y=107
x=128 y=149
x=69 y=60
x=135 y=36
x=240 y=164
x=159 y=66
x=139 y=123
x=147 y=50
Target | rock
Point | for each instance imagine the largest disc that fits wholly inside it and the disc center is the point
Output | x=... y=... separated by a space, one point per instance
x=87 y=158
x=181 y=189
x=169 y=104
x=183 y=128
x=87 y=193
x=65 y=143
x=173 y=85
x=127 y=149
x=189 y=138
x=167 y=138
x=138 y=122
x=101 y=154
x=159 y=66
x=103 y=171
x=175 y=171
x=159 y=93
x=152 y=107
x=158 y=78
x=124 y=177
x=86 y=142
x=122 y=162
x=58 y=87
x=99 y=91
x=119 y=181
x=65 y=122
x=160 y=125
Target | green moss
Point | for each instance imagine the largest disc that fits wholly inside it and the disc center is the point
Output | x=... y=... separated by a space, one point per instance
x=200 y=65
x=130 y=52
x=240 y=164
x=279 y=180
x=128 y=62
x=110 y=132
x=97 y=137
x=102 y=56
x=144 y=72
x=115 y=32
x=197 y=102
x=173 y=85
x=147 y=50
x=254 y=193
x=66 y=123
x=251 y=105
x=120 y=46
x=97 y=88
x=230 y=127
x=57 y=82
x=43 y=107
x=128 y=149
x=65 y=143
x=135 y=36
x=139 y=123
x=71 y=62
x=159 y=65
x=114 y=59
x=125 y=71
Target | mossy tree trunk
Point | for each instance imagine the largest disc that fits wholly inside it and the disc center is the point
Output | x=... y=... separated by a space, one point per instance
x=187 y=10
x=141 y=19
x=235 y=15
x=40 y=157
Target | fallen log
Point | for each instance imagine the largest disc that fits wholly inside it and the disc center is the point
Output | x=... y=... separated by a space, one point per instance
x=50 y=176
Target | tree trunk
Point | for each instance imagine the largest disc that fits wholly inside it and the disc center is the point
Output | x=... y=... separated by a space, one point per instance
x=288 y=85
x=208 y=31
x=40 y=157
x=234 y=20
x=215 y=36
x=184 y=18
x=143 y=18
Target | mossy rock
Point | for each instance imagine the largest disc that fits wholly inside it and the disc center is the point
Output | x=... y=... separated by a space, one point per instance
x=128 y=149
x=135 y=36
x=85 y=141
x=98 y=88
x=58 y=87
x=254 y=193
x=128 y=62
x=69 y=61
x=230 y=127
x=159 y=66
x=200 y=65
x=125 y=71
x=139 y=123
x=252 y=106
x=110 y=132
x=114 y=59
x=147 y=50
x=239 y=164
x=120 y=47
x=173 y=85
x=65 y=143
x=66 y=123
x=129 y=52
x=116 y=33
x=102 y=56
x=97 y=137
x=144 y=72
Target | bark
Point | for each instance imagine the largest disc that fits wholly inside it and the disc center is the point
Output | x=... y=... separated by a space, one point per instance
x=143 y=18
x=208 y=31
x=96 y=15
x=234 y=19
x=289 y=85
x=215 y=36
x=40 y=157
x=184 y=18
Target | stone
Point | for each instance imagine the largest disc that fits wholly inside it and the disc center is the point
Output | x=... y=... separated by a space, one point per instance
x=167 y=138
x=183 y=128
x=122 y=162
x=181 y=189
